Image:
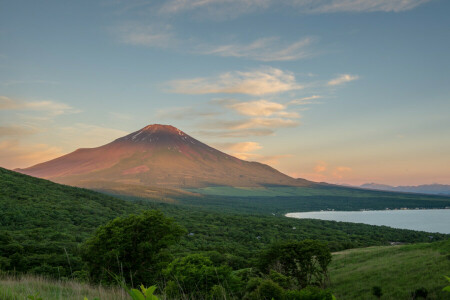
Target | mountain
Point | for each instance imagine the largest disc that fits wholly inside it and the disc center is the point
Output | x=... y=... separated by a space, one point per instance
x=159 y=156
x=433 y=189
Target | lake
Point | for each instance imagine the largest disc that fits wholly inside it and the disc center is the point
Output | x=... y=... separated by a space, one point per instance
x=429 y=220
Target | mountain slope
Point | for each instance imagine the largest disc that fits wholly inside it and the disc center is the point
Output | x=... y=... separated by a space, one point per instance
x=159 y=155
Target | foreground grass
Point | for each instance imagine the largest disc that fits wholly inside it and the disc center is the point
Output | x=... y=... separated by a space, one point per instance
x=398 y=270
x=12 y=288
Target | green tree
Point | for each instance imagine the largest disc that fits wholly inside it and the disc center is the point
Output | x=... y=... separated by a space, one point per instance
x=133 y=246
x=306 y=261
x=196 y=275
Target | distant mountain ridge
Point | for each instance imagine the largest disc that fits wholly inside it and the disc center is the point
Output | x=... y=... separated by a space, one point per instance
x=161 y=156
x=432 y=189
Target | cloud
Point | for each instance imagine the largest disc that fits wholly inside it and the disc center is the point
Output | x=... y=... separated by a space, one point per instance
x=233 y=8
x=183 y=113
x=144 y=35
x=257 y=108
x=305 y=100
x=253 y=123
x=50 y=107
x=239 y=147
x=335 y=6
x=264 y=49
x=215 y=8
x=15 y=130
x=343 y=78
x=14 y=154
x=258 y=82
x=260 y=108
x=235 y=133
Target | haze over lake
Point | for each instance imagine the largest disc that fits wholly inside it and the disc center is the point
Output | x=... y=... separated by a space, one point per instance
x=430 y=220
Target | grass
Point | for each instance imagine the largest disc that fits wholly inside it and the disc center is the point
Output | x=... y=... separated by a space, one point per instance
x=398 y=270
x=18 y=288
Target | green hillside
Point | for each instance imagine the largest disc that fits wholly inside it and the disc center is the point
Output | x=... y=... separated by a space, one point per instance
x=398 y=270
x=42 y=225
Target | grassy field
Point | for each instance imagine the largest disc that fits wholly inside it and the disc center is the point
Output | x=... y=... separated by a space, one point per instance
x=12 y=288
x=398 y=270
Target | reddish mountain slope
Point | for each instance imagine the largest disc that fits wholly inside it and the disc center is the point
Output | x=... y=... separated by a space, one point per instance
x=158 y=155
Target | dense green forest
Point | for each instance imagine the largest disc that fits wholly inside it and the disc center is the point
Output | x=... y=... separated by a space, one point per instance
x=44 y=227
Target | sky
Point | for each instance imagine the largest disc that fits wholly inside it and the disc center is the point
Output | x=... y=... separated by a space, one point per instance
x=341 y=91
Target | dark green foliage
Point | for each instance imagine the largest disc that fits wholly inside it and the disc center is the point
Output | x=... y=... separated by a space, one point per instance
x=263 y=289
x=309 y=293
x=196 y=275
x=306 y=261
x=377 y=292
x=133 y=246
x=40 y=221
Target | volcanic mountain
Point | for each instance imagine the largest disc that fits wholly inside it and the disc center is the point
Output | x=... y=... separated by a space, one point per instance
x=158 y=156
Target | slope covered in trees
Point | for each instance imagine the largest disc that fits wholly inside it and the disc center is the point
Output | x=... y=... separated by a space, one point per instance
x=42 y=225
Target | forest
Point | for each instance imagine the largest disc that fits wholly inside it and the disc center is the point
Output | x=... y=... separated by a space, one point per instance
x=71 y=233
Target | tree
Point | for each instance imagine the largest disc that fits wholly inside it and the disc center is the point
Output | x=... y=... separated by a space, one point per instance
x=196 y=275
x=133 y=247
x=306 y=261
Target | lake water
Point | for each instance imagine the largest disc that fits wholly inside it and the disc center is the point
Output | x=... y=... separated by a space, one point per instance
x=430 y=220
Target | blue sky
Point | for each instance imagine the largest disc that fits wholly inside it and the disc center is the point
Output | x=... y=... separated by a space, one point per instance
x=343 y=91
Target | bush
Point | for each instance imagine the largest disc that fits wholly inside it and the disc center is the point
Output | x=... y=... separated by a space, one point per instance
x=263 y=289
x=196 y=275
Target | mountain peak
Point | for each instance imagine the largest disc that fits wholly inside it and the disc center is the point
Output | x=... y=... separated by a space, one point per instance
x=161 y=128
x=156 y=133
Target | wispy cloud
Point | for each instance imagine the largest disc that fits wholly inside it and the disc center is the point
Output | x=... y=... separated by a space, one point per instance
x=255 y=123
x=261 y=108
x=17 y=130
x=50 y=107
x=258 y=82
x=343 y=78
x=335 y=6
x=144 y=35
x=235 y=133
x=233 y=8
x=264 y=49
x=305 y=100
x=184 y=113
x=242 y=147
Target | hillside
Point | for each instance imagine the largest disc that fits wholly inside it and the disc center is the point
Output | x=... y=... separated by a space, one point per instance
x=42 y=224
x=161 y=156
x=398 y=270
